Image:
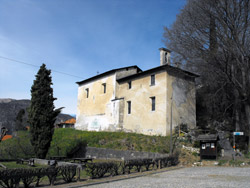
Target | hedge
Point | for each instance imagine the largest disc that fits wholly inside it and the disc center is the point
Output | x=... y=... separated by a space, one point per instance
x=9 y=178
x=98 y=170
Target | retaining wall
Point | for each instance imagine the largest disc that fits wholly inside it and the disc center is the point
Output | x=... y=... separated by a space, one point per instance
x=103 y=153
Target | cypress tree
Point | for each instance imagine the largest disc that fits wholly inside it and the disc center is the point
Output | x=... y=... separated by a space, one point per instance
x=42 y=112
x=20 y=124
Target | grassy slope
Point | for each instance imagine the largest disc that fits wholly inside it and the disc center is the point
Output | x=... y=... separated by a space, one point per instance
x=66 y=139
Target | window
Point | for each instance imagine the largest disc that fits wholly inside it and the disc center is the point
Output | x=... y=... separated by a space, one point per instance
x=153 y=103
x=129 y=85
x=129 y=107
x=87 y=92
x=104 y=88
x=152 y=79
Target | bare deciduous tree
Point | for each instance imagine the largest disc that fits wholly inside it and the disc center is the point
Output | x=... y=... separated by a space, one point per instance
x=212 y=37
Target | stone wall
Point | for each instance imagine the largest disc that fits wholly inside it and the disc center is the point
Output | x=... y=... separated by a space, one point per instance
x=103 y=153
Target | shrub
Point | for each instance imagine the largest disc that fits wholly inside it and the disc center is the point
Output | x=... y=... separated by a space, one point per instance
x=29 y=176
x=9 y=178
x=68 y=172
x=75 y=146
x=17 y=147
x=247 y=155
x=98 y=170
x=183 y=127
x=195 y=154
x=196 y=144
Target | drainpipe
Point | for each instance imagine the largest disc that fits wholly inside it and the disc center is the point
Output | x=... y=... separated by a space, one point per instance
x=171 y=121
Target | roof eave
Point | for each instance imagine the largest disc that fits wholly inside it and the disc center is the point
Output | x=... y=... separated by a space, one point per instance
x=106 y=73
x=156 y=69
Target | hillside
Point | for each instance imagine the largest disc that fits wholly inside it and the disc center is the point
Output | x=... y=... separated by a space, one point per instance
x=9 y=109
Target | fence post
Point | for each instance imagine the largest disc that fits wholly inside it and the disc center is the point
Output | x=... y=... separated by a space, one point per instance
x=79 y=174
x=159 y=164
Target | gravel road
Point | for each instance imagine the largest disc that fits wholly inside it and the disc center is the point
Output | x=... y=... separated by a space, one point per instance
x=197 y=177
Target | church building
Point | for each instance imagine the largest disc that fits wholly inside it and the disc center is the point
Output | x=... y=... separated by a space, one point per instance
x=131 y=100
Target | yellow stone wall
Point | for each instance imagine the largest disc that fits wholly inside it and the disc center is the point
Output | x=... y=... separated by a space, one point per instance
x=142 y=119
x=96 y=111
x=109 y=111
x=181 y=96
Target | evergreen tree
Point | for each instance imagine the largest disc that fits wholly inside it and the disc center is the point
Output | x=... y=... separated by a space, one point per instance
x=20 y=122
x=42 y=112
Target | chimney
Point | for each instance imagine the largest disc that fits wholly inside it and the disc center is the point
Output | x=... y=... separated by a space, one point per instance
x=164 y=56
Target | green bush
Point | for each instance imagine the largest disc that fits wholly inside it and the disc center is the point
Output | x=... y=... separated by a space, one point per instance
x=195 y=154
x=183 y=127
x=196 y=144
x=10 y=178
x=17 y=147
x=98 y=170
x=247 y=155
x=68 y=172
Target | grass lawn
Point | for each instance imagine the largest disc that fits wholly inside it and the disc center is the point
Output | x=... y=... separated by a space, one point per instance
x=15 y=165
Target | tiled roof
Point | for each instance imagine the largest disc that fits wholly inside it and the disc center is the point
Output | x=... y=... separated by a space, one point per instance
x=6 y=137
x=106 y=73
x=159 y=68
x=206 y=137
x=70 y=121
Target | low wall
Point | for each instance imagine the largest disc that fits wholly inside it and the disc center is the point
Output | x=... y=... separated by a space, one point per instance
x=103 y=153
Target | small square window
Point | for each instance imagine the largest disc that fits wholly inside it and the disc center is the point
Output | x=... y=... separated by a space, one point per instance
x=129 y=107
x=152 y=80
x=129 y=85
x=104 y=88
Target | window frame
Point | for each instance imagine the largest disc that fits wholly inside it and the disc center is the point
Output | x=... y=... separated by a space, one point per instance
x=152 y=79
x=104 y=88
x=129 y=84
x=87 y=92
x=153 y=103
x=129 y=107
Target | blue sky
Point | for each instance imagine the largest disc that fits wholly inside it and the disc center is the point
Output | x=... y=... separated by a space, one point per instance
x=78 y=37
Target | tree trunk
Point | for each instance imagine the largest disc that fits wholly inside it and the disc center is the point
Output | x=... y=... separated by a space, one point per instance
x=247 y=110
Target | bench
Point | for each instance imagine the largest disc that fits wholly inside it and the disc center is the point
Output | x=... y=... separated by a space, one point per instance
x=30 y=162
x=57 y=158
x=82 y=160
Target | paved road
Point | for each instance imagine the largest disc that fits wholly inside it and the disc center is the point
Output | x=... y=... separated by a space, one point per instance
x=196 y=177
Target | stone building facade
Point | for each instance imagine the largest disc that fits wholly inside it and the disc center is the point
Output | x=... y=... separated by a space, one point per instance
x=131 y=100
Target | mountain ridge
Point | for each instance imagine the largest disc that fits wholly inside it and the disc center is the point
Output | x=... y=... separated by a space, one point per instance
x=9 y=109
